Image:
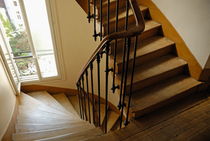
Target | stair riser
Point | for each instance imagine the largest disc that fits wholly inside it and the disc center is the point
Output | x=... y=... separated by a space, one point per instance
x=147 y=57
x=155 y=79
x=137 y=114
x=145 y=35
x=121 y=20
x=121 y=24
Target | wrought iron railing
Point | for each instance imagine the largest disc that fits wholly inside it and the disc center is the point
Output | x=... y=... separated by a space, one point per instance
x=94 y=96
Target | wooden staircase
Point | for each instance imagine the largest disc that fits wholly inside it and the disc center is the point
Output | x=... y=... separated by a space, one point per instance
x=161 y=76
x=53 y=117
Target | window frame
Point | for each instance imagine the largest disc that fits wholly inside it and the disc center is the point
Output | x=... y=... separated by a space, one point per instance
x=55 y=41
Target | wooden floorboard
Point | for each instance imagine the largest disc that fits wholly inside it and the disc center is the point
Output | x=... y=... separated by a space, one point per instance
x=169 y=123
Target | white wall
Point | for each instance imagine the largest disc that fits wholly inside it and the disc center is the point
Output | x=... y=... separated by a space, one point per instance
x=191 y=18
x=7 y=100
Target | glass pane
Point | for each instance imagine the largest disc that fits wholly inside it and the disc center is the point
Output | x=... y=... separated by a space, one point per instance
x=15 y=41
x=47 y=65
x=27 y=68
x=13 y=24
x=41 y=36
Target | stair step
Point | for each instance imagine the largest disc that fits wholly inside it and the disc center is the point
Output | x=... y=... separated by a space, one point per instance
x=38 y=127
x=37 y=113
x=47 y=99
x=42 y=120
x=154 y=71
x=29 y=104
x=158 y=95
x=48 y=133
x=147 y=50
x=64 y=101
x=152 y=28
x=122 y=11
x=79 y=136
x=40 y=115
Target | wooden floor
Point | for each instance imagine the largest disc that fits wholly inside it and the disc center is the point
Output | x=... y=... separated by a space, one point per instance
x=187 y=120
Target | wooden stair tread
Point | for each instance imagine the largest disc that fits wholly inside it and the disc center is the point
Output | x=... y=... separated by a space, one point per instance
x=150 y=98
x=122 y=13
x=38 y=127
x=37 y=113
x=30 y=104
x=64 y=101
x=47 y=99
x=48 y=133
x=155 y=68
x=149 y=25
x=147 y=46
x=23 y=110
x=83 y=135
x=43 y=120
x=39 y=116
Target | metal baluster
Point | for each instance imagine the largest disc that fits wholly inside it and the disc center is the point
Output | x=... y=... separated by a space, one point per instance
x=81 y=99
x=87 y=87
x=93 y=99
x=95 y=32
x=80 y=111
x=124 y=53
x=84 y=99
x=125 y=80
x=101 y=19
x=88 y=11
x=114 y=87
x=99 y=90
x=130 y=91
x=106 y=86
x=108 y=17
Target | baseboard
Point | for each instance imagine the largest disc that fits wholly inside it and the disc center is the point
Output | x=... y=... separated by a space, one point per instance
x=11 y=128
x=170 y=32
x=50 y=89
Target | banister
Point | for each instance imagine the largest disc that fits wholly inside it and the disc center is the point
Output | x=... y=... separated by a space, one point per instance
x=140 y=26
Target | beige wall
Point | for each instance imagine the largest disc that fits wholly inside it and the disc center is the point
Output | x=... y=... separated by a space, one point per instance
x=77 y=45
x=7 y=100
x=191 y=19
x=74 y=37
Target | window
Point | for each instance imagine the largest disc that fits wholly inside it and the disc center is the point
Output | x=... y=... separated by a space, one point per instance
x=28 y=40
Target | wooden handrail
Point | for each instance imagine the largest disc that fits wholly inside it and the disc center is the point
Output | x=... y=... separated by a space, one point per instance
x=138 y=29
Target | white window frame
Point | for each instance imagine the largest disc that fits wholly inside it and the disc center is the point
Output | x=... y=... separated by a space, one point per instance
x=55 y=41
